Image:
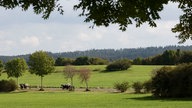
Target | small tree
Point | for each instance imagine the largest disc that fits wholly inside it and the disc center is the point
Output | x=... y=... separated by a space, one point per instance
x=69 y=73
x=84 y=75
x=16 y=68
x=41 y=64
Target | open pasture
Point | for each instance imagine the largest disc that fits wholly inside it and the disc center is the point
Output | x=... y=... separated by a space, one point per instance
x=99 y=77
x=94 y=99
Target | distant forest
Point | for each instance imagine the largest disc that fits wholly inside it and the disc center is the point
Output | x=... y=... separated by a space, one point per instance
x=110 y=54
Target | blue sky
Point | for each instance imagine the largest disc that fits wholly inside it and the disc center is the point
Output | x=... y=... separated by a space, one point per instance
x=24 y=32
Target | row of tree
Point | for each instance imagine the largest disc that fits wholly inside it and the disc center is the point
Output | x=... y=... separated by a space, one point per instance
x=41 y=64
x=84 y=60
x=169 y=57
x=108 y=54
x=84 y=75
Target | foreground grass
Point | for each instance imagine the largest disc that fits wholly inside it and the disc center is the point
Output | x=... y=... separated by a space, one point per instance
x=87 y=100
x=99 y=78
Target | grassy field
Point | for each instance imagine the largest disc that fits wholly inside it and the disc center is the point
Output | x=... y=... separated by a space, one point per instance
x=99 y=78
x=87 y=100
x=58 y=98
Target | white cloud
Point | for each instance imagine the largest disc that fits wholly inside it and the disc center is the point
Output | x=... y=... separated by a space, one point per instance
x=90 y=36
x=68 y=32
x=30 y=41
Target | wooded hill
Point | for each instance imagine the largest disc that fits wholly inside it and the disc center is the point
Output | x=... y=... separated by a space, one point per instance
x=110 y=54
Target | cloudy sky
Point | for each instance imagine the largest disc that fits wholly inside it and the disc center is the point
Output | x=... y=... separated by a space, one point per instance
x=24 y=32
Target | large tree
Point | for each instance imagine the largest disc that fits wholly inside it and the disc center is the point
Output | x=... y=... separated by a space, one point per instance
x=41 y=64
x=1 y=67
x=16 y=67
x=122 y=12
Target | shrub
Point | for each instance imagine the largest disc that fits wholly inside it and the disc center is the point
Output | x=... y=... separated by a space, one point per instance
x=181 y=81
x=7 y=86
x=137 y=86
x=123 y=64
x=122 y=87
x=147 y=86
x=160 y=81
x=173 y=82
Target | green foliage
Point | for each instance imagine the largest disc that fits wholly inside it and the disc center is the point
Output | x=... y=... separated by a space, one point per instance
x=119 y=65
x=176 y=82
x=186 y=57
x=63 y=61
x=41 y=64
x=84 y=60
x=98 y=61
x=169 y=57
x=7 y=86
x=137 y=61
x=39 y=7
x=122 y=87
x=160 y=81
x=1 y=67
x=180 y=84
x=137 y=86
x=147 y=86
x=16 y=67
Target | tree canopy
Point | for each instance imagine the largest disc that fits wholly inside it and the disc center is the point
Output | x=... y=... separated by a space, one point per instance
x=1 y=67
x=16 y=68
x=121 y=12
x=41 y=64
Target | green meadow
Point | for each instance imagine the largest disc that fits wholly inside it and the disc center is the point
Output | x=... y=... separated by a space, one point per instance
x=57 y=98
x=99 y=78
x=87 y=100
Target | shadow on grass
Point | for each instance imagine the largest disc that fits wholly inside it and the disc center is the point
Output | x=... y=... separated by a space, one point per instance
x=150 y=98
x=106 y=71
x=13 y=92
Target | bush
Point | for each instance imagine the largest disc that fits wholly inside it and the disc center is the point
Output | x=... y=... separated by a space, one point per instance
x=137 y=86
x=173 y=82
x=7 y=86
x=119 y=65
x=160 y=82
x=181 y=81
x=147 y=86
x=122 y=87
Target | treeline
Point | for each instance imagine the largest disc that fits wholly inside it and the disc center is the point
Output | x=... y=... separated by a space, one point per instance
x=169 y=57
x=108 y=54
x=113 y=55
x=84 y=60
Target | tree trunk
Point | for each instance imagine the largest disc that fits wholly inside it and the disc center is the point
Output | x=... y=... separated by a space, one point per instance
x=41 y=88
x=71 y=81
x=87 y=88
x=17 y=83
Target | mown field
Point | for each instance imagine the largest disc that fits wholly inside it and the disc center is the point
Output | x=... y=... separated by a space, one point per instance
x=99 y=78
x=93 y=99
x=87 y=100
